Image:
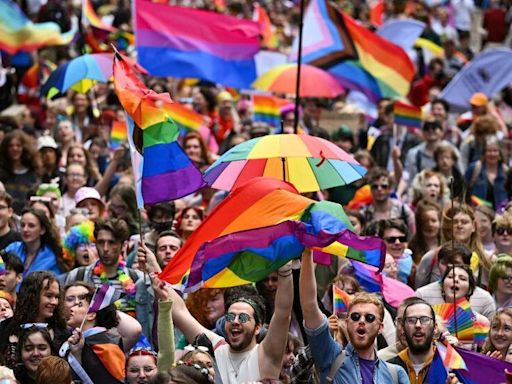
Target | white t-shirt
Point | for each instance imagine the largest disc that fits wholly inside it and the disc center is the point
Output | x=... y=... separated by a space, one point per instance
x=236 y=368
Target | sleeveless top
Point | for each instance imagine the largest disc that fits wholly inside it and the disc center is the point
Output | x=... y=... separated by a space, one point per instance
x=237 y=368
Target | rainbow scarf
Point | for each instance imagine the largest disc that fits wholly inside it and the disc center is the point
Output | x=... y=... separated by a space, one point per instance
x=261 y=226
x=340 y=300
x=406 y=114
x=18 y=33
x=154 y=136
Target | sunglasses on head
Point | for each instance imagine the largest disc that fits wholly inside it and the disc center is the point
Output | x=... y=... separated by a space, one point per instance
x=503 y=230
x=368 y=317
x=393 y=239
x=242 y=317
x=380 y=186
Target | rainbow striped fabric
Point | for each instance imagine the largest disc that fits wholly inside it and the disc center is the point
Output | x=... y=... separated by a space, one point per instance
x=481 y=330
x=340 y=300
x=165 y=164
x=89 y=16
x=407 y=114
x=185 y=118
x=267 y=109
x=458 y=319
x=360 y=59
x=259 y=227
x=118 y=134
x=450 y=357
x=18 y=33
x=478 y=201
x=3 y=271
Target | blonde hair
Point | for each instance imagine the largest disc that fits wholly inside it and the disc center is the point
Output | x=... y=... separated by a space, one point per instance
x=488 y=346
x=367 y=298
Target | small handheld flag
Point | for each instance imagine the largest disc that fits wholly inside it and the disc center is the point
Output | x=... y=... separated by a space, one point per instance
x=450 y=357
x=406 y=114
x=103 y=297
x=2 y=267
x=340 y=300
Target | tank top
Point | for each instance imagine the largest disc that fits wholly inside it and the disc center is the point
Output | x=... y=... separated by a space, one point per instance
x=237 y=368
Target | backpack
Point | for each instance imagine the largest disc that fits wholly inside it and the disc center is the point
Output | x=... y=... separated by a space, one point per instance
x=339 y=362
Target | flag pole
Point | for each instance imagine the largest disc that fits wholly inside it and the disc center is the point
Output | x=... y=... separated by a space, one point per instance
x=85 y=317
x=453 y=264
x=299 y=61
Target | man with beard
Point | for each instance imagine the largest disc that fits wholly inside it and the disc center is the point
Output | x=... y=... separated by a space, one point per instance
x=418 y=326
x=239 y=357
x=358 y=362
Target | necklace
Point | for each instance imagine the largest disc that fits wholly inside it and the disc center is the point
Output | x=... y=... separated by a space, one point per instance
x=127 y=283
x=236 y=370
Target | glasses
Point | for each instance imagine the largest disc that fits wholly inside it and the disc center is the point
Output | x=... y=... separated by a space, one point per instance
x=368 y=317
x=504 y=230
x=393 y=239
x=242 y=317
x=431 y=127
x=86 y=246
x=413 y=320
x=76 y=175
x=34 y=325
x=75 y=299
x=380 y=186
x=191 y=348
x=508 y=279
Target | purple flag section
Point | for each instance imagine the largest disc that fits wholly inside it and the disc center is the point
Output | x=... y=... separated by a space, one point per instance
x=103 y=297
x=489 y=73
x=483 y=369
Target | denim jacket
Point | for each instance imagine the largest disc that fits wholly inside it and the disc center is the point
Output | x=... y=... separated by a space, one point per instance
x=325 y=350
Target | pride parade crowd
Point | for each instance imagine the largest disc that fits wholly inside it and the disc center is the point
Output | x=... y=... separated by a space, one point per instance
x=438 y=194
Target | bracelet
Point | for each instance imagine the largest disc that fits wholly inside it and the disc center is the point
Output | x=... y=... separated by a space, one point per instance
x=286 y=273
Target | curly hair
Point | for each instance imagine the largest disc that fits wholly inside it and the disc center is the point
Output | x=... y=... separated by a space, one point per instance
x=29 y=158
x=29 y=297
x=50 y=237
x=82 y=233
x=196 y=303
x=127 y=195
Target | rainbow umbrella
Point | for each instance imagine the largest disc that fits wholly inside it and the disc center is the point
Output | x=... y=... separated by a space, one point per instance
x=81 y=73
x=310 y=163
x=314 y=82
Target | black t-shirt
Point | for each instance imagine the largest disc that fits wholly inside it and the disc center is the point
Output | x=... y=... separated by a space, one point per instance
x=8 y=238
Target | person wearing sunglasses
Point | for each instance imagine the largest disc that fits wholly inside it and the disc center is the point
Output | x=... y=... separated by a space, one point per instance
x=239 y=356
x=383 y=207
x=502 y=233
x=358 y=361
x=418 y=327
x=394 y=233
x=500 y=281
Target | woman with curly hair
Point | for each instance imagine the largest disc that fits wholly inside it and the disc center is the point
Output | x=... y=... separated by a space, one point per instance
x=39 y=248
x=77 y=154
x=206 y=305
x=39 y=304
x=19 y=168
x=79 y=247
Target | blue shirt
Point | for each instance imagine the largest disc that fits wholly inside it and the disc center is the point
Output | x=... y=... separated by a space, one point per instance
x=45 y=259
x=325 y=350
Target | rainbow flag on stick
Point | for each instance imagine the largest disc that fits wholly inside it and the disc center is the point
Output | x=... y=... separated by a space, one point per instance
x=340 y=300
x=450 y=357
x=477 y=201
x=167 y=172
x=481 y=331
x=3 y=271
x=18 y=33
x=267 y=109
x=406 y=114
x=103 y=297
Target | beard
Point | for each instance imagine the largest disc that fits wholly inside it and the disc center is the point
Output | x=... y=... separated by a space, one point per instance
x=422 y=347
x=245 y=340
x=359 y=344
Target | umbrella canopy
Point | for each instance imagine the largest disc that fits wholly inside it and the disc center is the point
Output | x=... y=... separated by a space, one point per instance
x=80 y=74
x=314 y=82
x=308 y=162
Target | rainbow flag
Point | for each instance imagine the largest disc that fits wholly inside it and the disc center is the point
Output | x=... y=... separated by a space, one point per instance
x=185 y=42
x=3 y=271
x=407 y=114
x=89 y=17
x=359 y=58
x=477 y=201
x=267 y=109
x=18 y=33
x=458 y=319
x=340 y=300
x=260 y=15
x=260 y=226
x=481 y=330
x=185 y=118
x=450 y=357
x=118 y=134
x=155 y=134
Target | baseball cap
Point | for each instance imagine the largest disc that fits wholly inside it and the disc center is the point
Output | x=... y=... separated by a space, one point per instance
x=46 y=142
x=479 y=100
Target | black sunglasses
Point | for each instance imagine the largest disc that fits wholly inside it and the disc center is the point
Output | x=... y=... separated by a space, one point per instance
x=501 y=231
x=368 y=317
x=393 y=239
x=380 y=186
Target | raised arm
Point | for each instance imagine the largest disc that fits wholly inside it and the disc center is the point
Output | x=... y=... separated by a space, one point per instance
x=313 y=317
x=166 y=344
x=274 y=344
x=129 y=329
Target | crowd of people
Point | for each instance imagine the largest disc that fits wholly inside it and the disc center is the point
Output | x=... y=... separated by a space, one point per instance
x=439 y=196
